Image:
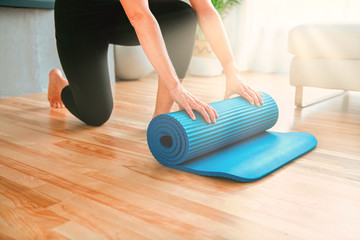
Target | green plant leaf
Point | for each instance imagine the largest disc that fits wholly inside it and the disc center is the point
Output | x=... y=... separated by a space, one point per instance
x=224 y=7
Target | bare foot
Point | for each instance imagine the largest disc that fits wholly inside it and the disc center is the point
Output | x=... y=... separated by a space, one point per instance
x=56 y=84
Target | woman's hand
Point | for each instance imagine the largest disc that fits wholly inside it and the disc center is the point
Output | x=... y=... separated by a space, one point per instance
x=152 y=42
x=188 y=102
x=211 y=25
x=236 y=85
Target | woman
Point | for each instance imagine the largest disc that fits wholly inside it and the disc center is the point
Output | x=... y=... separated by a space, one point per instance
x=166 y=31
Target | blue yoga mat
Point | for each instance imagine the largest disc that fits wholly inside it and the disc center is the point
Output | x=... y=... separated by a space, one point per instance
x=237 y=146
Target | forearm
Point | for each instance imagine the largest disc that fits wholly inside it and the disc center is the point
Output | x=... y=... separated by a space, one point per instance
x=211 y=25
x=149 y=35
x=151 y=40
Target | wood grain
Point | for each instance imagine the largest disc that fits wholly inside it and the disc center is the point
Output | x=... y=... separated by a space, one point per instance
x=61 y=179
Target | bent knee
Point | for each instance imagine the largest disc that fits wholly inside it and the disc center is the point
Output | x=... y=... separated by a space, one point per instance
x=187 y=10
x=97 y=116
x=178 y=10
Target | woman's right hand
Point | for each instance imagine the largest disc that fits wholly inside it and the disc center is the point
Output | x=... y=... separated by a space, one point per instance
x=188 y=102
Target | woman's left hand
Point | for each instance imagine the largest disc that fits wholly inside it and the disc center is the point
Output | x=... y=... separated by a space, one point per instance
x=236 y=85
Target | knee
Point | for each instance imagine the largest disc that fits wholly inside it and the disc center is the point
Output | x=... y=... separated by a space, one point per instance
x=97 y=115
x=175 y=10
x=187 y=11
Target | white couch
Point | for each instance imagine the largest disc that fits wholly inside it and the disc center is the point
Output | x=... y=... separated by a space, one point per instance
x=326 y=56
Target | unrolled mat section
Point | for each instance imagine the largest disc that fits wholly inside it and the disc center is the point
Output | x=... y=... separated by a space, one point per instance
x=237 y=146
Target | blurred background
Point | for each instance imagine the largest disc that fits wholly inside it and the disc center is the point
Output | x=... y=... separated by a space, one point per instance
x=258 y=31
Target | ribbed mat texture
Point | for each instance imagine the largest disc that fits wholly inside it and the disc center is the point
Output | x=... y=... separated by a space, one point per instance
x=237 y=146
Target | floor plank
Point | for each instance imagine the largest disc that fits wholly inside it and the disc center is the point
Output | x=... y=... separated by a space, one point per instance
x=61 y=179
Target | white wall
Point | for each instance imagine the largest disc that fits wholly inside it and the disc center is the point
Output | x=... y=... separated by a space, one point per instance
x=258 y=29
x=28 y=50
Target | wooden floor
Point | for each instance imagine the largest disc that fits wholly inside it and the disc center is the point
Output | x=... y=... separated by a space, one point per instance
x=61 y=179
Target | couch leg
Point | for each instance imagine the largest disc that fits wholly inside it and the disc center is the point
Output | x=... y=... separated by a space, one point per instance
x=298 y=96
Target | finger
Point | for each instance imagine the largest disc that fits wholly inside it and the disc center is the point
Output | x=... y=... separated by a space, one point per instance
x=208 y=109
x=216 y=113
x=247 y=97
x=190 y=112
x=210 y=112
x=259 y=95
x=254 y=96
x=202 y=111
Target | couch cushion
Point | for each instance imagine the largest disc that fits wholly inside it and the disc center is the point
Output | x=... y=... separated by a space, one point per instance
x=326 y=73
x=325 y=41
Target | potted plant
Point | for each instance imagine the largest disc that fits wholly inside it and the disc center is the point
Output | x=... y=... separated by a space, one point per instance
x=131 y=63
x=204 y=61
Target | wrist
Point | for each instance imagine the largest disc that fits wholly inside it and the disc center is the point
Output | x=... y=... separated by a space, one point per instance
x=230 y=68
x=172 y=84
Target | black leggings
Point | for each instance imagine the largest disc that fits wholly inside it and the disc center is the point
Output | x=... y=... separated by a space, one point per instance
x=84 y=29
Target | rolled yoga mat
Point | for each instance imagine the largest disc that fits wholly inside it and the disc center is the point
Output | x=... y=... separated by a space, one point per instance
x=237 y=146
